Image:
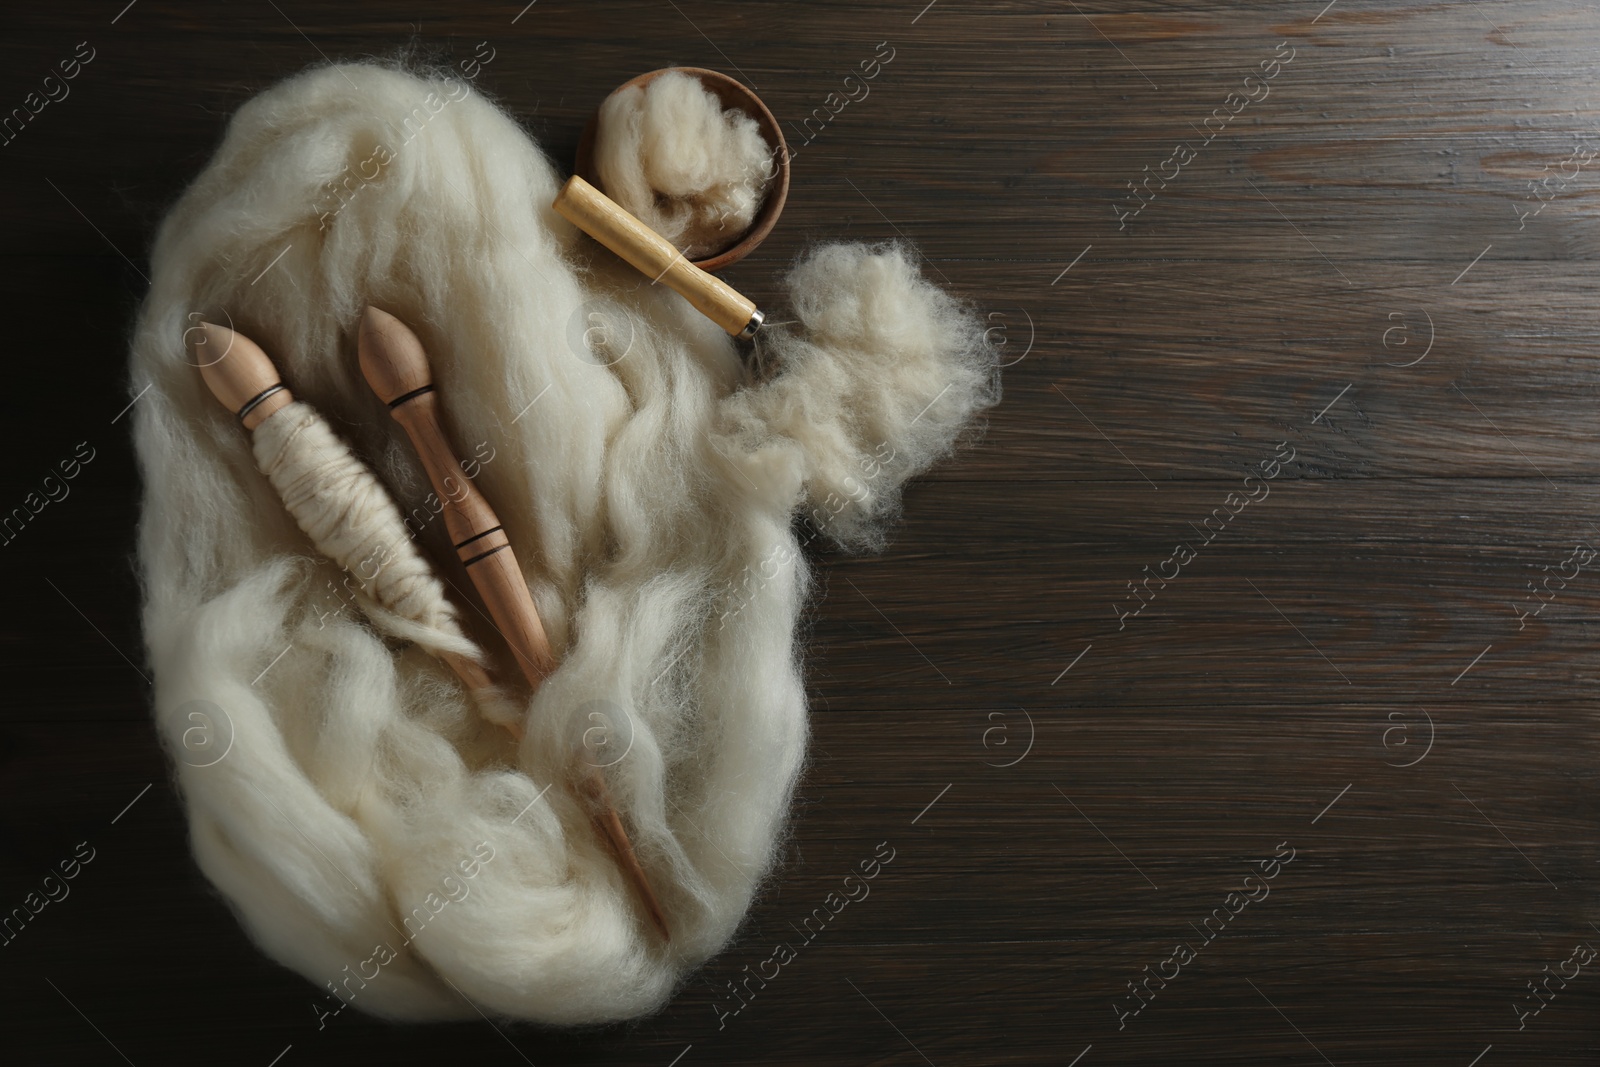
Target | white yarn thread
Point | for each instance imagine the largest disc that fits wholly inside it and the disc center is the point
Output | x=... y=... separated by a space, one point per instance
x=637 y=491
x=351 y=518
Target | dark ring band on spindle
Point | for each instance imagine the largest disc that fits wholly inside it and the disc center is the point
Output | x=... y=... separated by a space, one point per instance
x=484 y=555
x=750 y=328
x=255 y=401
x=478 y=537
x=397 y=401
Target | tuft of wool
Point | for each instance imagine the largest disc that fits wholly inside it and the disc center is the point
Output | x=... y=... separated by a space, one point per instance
x=668 y=153
x=369 y=827
x=880 y=376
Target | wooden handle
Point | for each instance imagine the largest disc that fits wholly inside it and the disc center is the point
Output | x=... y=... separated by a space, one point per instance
x=395 y=365
x=602 y=218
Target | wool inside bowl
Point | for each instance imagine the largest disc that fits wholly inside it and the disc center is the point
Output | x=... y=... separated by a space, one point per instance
x=730 y=95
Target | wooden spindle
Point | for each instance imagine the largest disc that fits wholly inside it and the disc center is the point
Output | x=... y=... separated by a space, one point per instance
x=396 y=367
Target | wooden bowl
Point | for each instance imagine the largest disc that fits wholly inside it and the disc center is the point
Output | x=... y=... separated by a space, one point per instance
x=732 y=94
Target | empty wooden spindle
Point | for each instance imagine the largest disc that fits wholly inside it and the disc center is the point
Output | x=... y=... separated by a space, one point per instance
x=396 y=367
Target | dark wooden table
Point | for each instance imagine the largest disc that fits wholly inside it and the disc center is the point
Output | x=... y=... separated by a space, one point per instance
x=1378 y=258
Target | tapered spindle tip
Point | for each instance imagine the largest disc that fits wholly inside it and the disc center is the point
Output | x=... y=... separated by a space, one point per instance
x=392 y=358
x=234 y=367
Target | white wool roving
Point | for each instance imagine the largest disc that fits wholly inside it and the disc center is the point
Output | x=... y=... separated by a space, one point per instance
x=668 y=153
x=368 y=825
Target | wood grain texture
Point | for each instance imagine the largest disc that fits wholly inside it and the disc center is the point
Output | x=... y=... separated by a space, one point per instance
x=1067 y=796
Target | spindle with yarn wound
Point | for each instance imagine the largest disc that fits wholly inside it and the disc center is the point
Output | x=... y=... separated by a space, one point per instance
x=396 y=367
